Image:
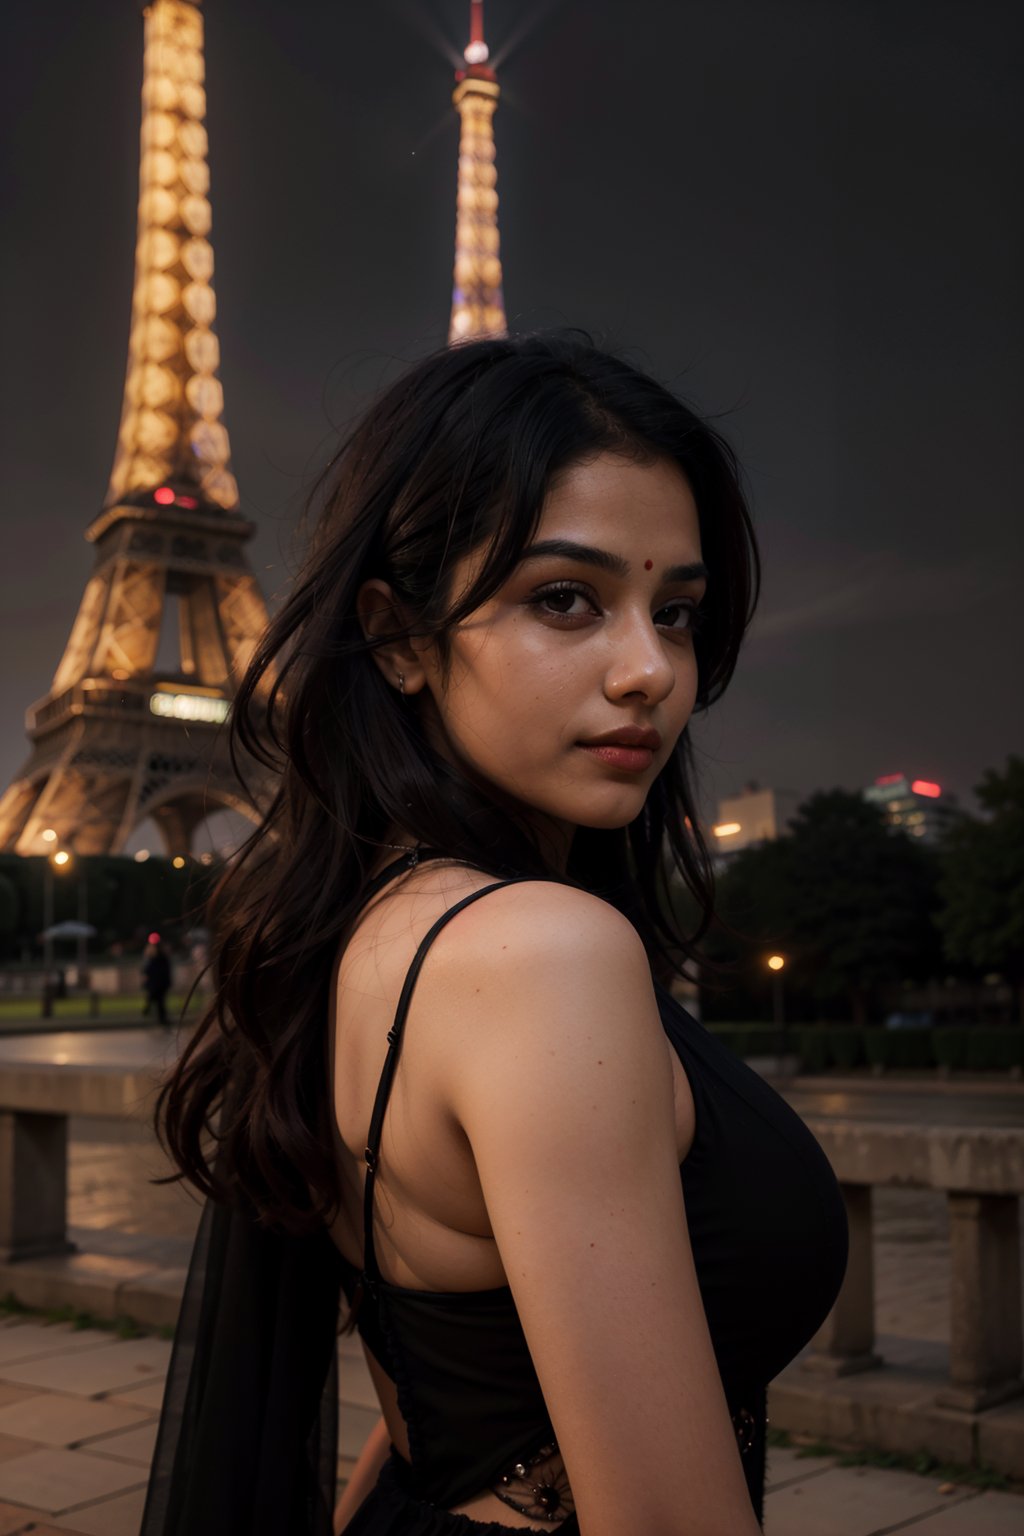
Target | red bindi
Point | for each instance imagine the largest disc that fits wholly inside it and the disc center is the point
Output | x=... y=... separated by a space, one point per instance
x=648 y=565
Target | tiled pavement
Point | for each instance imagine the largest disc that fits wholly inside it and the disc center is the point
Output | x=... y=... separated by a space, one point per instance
x=78 y=1415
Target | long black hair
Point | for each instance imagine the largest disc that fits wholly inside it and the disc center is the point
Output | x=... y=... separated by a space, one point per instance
x=454 y=457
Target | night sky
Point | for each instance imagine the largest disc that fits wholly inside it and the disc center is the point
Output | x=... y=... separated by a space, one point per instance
x=804 y=215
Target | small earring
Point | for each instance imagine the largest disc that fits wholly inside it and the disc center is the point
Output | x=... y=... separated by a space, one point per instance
x=401 y=683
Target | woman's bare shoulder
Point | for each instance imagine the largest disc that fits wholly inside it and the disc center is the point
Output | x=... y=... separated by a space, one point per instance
x=537 y=922
x=537 y=970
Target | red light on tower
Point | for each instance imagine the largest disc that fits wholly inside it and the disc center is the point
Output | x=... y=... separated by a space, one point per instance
x=923 y=787
x=165 y=496
x=154 y=938
x=889 y=778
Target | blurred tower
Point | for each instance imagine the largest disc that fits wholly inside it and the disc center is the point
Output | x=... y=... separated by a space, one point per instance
x=478 y=308
x=172 y=611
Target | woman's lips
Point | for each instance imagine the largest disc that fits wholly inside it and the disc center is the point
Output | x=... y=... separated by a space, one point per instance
x=629 y=759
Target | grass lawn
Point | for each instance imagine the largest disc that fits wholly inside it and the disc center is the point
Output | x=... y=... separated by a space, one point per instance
x=125 y=1005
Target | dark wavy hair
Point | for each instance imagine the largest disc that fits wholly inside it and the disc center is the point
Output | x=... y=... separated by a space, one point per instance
x=454 y=457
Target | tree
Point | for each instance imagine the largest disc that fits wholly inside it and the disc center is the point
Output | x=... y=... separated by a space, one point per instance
x=10 y=911
x=981 y=917
x=847 y=900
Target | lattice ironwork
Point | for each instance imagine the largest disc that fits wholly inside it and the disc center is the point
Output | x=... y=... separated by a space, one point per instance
x=133 y=723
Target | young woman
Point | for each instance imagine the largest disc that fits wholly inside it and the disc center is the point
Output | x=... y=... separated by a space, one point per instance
x=576 y=1236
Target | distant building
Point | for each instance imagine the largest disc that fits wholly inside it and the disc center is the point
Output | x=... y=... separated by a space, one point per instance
x=755 y=816
x=916 y=806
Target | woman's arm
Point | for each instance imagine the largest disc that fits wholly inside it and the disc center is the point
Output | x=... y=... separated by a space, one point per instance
x=364 y=1475
x=561 y=1077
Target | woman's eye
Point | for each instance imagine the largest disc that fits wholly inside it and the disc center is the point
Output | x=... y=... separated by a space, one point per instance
x=678 y=616
x=565 y=602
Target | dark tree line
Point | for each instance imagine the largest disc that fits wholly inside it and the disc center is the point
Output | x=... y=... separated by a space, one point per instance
x=124 y=900
x=859 y=909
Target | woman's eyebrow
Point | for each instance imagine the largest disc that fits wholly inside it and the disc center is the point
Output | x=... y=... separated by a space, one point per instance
x=604 y=560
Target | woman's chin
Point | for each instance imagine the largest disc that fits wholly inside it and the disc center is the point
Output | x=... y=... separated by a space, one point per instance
x=614 y=814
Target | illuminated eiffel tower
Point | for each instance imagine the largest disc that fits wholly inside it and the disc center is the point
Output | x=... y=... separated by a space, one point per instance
x=172 y=611
x=478 y=308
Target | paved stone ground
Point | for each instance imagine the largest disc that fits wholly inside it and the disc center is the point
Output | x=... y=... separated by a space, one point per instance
x=78 y=1414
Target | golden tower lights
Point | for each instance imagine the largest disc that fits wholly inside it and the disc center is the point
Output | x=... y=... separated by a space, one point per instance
x=478 y=308
x=171 y=434
x=172 y=611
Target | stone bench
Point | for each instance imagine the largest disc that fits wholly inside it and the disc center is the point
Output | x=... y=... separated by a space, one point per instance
x=36 y=1099
x=981 y=1171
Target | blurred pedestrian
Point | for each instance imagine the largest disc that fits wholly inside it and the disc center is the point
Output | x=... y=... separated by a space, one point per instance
x=156 y=978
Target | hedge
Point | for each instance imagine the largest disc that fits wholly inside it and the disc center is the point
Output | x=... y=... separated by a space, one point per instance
x=980 y=1048
x=949 y=1044
x=994 y=1050
x=906 y=1048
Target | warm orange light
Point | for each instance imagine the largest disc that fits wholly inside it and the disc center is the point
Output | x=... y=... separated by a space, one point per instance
x=478 y=307
x=776 y=962
x=173 y=401
x=923 y=787
x=726 y=829
x=49 y=836
x=61 y=858
x=178 y=861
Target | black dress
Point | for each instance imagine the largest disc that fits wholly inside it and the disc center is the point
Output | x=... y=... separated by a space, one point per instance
x=241 y=1425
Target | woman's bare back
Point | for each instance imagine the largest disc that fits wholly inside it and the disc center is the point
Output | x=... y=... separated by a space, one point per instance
x=433 y=1231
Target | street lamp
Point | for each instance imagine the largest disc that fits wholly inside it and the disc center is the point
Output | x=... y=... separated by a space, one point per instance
x=60 y=861
x=777 y=964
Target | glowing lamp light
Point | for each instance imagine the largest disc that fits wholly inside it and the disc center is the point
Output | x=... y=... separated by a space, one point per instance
x=165 y=496
x=923 y=787
x=61 y=858
x=727 y=829
x=203 y=708
x=49 y=836
x=776 y=962
x=476 y=53
x=142 y=856
x=153 y=938
x=178 y=861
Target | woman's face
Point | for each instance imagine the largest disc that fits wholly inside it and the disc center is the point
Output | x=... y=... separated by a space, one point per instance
x=570 y=687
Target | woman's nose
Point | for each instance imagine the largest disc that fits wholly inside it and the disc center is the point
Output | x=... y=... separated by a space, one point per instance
x=640 y=663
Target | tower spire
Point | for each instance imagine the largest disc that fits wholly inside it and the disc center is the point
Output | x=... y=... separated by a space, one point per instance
x=478 y=307
x=171 y=434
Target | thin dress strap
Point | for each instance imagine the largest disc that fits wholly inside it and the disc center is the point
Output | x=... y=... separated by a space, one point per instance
x=371 y=1270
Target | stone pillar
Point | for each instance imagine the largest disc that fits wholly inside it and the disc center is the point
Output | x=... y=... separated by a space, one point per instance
x=985 y=1300
x=33 y=1184
x=845 y=1342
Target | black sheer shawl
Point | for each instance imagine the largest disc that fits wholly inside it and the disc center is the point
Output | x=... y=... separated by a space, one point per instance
x=247 y=1441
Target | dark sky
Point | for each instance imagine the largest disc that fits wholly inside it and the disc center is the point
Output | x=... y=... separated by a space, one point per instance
x=805 y=215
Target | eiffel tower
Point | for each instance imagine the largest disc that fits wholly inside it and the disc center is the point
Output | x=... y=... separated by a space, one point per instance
x=478 y=307
x=130 y=728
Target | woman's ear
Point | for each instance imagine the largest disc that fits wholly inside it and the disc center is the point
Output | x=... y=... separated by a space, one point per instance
x=380 y=616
